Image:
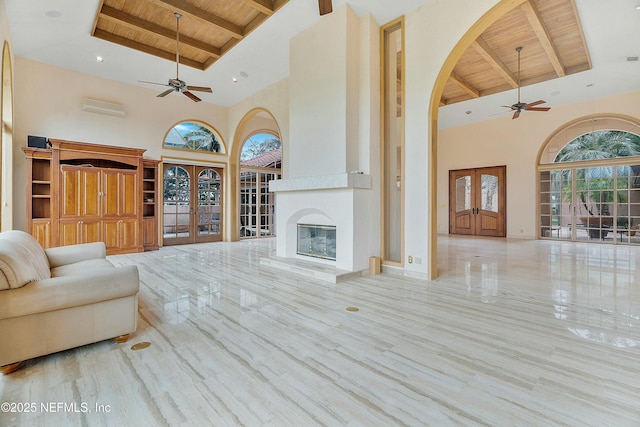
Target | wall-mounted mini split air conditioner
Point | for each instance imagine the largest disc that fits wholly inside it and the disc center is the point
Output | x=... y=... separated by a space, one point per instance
x=102 y=107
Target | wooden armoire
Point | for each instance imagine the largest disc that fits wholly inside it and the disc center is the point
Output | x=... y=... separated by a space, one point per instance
x=81 y=193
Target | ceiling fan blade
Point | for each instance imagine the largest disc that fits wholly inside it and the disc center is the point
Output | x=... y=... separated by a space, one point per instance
x=165 y=93
x=533 y=104
x=325 y=7
x=516 y=115
x=192 y=96
x=539 y=109
x=153 y=83
x=200 y=89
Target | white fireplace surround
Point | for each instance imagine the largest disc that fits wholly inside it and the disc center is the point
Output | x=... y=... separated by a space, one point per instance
x=340 y=200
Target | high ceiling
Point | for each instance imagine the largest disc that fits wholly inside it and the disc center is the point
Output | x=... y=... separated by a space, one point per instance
x=208 y=29
x=248 y=40
x=552 y=42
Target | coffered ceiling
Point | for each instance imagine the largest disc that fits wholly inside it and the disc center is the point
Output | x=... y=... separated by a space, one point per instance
x=553 y=45
x=208 y=29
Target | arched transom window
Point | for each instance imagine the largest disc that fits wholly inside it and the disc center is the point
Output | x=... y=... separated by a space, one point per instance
x=194 y=136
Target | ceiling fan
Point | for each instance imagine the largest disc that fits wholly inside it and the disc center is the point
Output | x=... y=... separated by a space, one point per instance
x=325 y=7
x=176 y=84
x=519 y=107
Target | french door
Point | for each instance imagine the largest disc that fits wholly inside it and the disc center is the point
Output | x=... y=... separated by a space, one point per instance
x=477 y=200
x=192 y=204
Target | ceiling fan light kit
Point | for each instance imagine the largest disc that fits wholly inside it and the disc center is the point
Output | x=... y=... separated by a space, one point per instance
x=519 y=106
x=177 y=85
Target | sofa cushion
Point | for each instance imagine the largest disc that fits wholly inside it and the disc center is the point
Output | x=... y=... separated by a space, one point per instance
x=82 y=267
x=36 y=253
x=16 y=265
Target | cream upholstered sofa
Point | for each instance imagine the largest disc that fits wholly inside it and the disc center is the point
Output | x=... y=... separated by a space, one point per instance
x=58 y=298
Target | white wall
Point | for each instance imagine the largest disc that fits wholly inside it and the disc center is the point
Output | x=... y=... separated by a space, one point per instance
x=321 y=65
x=431 y=32
x=516 y=144
x=334 y=128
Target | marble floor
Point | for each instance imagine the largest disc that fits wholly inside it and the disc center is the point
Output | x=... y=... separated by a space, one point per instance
x=526 y=333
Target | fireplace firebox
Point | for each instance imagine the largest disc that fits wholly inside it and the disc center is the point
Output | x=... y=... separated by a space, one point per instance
x=318 y=241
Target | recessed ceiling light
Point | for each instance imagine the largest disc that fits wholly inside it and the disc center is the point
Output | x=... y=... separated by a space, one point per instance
x=468 y=112
x=632 y=59
x=243 y=74
x=53 y=14
x=234 y=79
x=99 y=58
x=638 y=7
x=591 y=85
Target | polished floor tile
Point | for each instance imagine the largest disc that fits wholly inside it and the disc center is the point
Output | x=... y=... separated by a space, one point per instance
x=524 y=333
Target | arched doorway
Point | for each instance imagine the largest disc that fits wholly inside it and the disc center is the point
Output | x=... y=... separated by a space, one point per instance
x=260 y=162
x=496 y=12
x=589 y=181
x=255 y=122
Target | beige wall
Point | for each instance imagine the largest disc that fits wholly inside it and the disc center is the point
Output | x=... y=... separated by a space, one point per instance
x=48 y=103
x=516 y=144
x=6 y=168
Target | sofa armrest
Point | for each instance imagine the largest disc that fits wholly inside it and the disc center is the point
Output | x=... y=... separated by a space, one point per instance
x=58 y=293
x=63 y=255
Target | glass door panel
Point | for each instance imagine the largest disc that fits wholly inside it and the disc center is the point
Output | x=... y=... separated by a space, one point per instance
x=177 y=205
x=209 y=205
x=490 y=196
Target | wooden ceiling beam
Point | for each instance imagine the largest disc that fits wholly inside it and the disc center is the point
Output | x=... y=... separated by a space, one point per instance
x=185 y=8
x=543 y=36
x=262 y=6
x=155 y=30
x=464 y=85
x=171 y=56
x=496 y=63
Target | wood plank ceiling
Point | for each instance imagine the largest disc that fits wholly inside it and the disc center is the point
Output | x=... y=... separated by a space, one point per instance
x=208 y=29
x=549 y=31
x=553 y=46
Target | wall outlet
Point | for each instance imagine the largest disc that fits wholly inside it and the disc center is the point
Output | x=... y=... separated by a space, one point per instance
x=410 y=259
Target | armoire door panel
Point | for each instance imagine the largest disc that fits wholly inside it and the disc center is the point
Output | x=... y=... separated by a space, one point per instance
x=70 y=183
x=111 y=193
x=129 y=194
x=462 y=220
x=110 y=233
x=90 y=192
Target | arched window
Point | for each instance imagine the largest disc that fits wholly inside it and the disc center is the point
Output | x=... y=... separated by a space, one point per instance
x=194 y=136
x=590 y=184
x=260 y=162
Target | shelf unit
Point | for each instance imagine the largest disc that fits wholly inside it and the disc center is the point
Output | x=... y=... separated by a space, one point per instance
x=150 y=204
x=39 y=194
